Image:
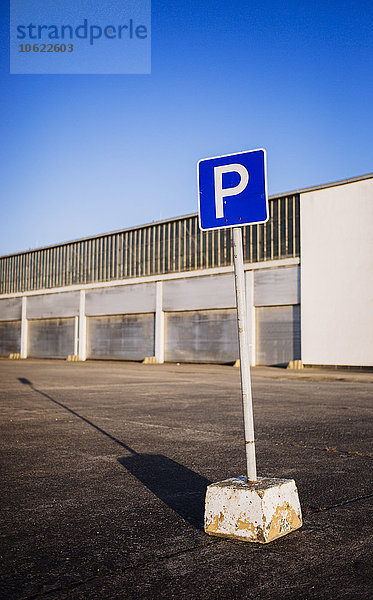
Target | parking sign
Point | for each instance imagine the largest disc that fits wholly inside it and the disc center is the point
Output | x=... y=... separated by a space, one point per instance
x=232 y=190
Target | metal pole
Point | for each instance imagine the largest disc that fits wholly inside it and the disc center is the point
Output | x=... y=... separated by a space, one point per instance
x=247 y=402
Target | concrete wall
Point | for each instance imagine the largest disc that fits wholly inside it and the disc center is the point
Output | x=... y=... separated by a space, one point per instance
x=337 y=275
x=47 y=306
x=198 y=293
x=10 y=309
x=119 y=300
x=277 y=287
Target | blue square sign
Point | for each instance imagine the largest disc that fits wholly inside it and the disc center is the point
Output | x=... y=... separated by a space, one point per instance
x=232 y=190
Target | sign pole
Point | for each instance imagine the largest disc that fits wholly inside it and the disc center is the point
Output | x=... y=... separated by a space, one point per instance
x=247 y=402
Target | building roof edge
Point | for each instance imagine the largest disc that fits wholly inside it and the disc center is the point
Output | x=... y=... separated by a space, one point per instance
x=169 y=220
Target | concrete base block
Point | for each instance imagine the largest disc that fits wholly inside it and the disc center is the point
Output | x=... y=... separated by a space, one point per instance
x=295 y=364
x=150 y=360
x=259 y=511
x=73 y=358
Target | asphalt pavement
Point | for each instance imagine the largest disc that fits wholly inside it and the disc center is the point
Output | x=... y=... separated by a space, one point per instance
x=105 y=467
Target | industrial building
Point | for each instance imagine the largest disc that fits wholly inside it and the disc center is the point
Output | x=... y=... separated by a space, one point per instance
x=166 y=289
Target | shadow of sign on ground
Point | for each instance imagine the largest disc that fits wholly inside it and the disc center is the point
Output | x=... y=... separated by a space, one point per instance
x=180 y=488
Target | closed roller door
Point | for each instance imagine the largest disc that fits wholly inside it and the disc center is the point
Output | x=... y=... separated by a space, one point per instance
x=10 y=337
x=277 y=334
x=201 y=336
x=50 y=338
x=129 y=337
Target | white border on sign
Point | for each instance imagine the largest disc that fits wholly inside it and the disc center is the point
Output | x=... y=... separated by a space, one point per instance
x=265 y=190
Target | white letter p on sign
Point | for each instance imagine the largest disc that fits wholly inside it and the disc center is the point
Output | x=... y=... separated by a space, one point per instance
x=221 y=192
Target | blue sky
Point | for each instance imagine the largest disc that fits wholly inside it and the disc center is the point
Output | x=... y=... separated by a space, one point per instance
x=86 y=154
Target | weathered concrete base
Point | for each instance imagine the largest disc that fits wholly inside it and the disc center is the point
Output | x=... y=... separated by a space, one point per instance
x=150 y=360
x=73 y=358
x=295 y=364
x=259 y=511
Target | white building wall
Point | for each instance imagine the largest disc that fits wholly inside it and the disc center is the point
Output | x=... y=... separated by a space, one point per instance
x=337 y=275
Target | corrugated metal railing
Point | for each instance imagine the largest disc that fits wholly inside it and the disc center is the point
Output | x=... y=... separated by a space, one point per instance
x=171 y=246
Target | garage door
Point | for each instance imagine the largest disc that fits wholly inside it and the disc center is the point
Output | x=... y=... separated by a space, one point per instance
x=277 y=334
x=50 y=338
x=10 y=337
x=201 y=336
x=129 y=337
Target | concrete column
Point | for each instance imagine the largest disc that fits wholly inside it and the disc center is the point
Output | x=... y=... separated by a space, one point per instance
x=24 y=328
x=251 y=315
x=76 y=335
x=82 y=327
x=159 y=323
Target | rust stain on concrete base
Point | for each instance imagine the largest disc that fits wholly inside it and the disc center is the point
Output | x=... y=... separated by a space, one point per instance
x=284 y=520
x=215 y=524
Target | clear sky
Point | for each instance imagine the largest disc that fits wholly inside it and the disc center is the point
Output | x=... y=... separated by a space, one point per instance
x=87 y=154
